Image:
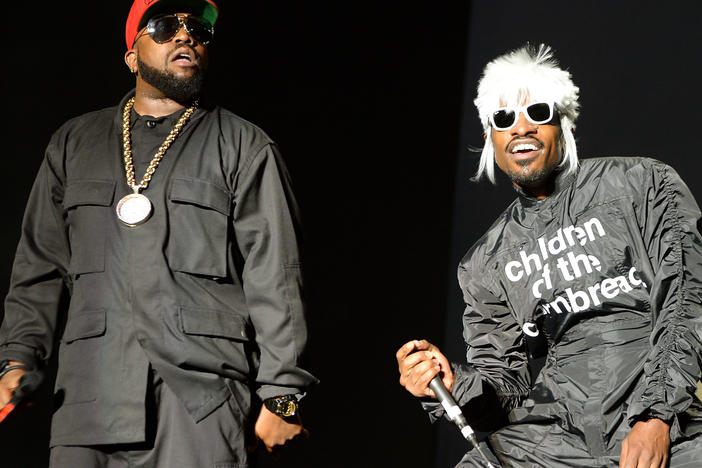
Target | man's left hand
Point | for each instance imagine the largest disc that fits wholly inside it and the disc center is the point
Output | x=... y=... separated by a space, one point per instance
x=274 y=431
x=646 y=445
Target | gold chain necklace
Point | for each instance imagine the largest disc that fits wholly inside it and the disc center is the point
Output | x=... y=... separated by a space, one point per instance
x=136 y=208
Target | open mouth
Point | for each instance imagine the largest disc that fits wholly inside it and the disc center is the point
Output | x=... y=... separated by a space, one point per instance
x=525 y=149
x=184 y=57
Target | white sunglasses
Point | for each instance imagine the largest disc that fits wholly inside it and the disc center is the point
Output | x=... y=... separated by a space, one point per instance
x=536 y=113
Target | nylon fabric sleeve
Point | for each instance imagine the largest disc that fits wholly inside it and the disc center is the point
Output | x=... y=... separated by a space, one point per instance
x=268 y=234
x=39 y=273
x=495 y=354
x=669 y=217
x=495 y=342
x=468 y=385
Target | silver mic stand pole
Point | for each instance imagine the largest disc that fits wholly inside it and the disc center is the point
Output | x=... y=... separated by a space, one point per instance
x=454 y=412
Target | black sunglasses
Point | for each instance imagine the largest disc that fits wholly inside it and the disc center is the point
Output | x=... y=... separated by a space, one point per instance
x=538 y=113
x=163 y=28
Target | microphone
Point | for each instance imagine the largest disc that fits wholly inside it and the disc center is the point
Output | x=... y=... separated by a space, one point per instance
x=456 y=415
x=28 y=384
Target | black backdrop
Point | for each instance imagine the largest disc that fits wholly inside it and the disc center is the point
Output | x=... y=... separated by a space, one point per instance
x=371 y=105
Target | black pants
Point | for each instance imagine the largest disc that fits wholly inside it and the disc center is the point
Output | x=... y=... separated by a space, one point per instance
x=175 y=440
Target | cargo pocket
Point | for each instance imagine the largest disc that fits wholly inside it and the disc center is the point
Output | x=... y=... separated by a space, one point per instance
x=216 y=341
x=87 y=204
x=87 y=324
x=199 y=214
x=82 y=342
x=213 y=323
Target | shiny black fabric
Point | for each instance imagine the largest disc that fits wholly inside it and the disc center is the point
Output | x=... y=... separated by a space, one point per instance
x=601 y=284
x=207 y=291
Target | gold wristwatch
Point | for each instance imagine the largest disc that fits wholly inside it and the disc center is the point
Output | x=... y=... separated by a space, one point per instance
x=285 y=406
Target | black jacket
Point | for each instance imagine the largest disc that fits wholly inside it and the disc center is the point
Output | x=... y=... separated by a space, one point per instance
x=208 y=289
x=604 y=275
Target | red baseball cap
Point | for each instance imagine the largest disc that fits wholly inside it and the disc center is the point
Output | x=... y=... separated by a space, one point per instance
x=143 y=10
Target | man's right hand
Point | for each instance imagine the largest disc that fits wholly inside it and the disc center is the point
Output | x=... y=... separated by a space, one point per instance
x=275 y=432
x=9 y=383
x=419 y=362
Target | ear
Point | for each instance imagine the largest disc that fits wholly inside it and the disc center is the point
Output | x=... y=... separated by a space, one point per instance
x=130 y=58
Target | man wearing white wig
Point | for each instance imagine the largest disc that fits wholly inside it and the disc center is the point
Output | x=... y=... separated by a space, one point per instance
x=583 y=300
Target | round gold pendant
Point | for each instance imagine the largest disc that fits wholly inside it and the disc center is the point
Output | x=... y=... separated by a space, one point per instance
x=134 y=209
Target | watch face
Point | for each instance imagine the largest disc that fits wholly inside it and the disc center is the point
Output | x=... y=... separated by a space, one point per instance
x=288 y=408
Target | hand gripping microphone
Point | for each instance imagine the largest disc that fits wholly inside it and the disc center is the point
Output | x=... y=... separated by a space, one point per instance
x=456 y=415
x=28 y=384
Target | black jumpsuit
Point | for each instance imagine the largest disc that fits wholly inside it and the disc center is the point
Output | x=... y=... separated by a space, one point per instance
x=601 y=284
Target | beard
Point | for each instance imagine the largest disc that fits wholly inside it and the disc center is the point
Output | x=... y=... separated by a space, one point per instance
x=182 y=90
x=527 y=178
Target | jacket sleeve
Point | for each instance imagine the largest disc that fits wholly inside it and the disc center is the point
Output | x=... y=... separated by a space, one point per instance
x=267 y=231
x=39 y=274
x=496 y=353
x=669 y=216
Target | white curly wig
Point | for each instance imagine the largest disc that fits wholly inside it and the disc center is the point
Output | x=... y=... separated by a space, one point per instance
x=531 y=73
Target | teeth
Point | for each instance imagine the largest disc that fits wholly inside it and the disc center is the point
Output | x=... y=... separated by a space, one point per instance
x=524 y=147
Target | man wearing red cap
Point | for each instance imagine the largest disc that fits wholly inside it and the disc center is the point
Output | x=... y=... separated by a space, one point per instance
x=168 y=227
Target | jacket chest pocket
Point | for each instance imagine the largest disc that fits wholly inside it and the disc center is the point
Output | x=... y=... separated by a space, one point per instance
x=609 y=235
x=199 y=222
x=87 y=203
